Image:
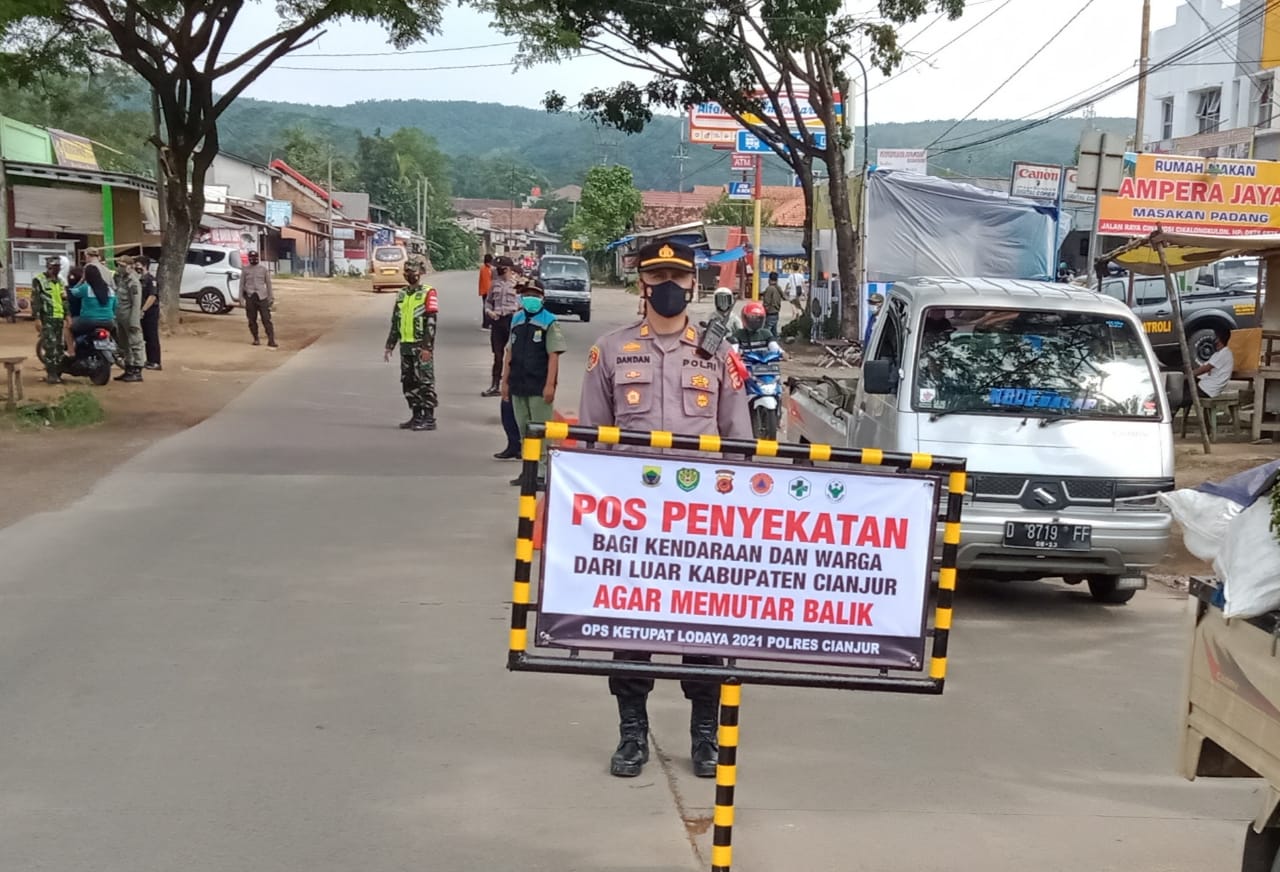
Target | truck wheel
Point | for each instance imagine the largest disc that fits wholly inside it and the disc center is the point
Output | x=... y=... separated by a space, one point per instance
x=1261 y=850
x=585 y=315
x=1103 y=589
x=1201 y=344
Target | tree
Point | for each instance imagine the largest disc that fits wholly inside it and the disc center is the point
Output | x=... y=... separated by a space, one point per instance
x=495 y=177
x=74 y=102
x=759 y=59
x=736 y=213
x=609 y=205
x=559 y=212
x=179 y=47
x=309 y=154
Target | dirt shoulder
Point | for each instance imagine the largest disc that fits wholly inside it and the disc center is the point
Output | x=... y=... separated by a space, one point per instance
x=207 y=362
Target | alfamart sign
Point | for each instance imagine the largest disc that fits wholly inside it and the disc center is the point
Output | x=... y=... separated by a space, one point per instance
x=668 y=554
x=1213 y=196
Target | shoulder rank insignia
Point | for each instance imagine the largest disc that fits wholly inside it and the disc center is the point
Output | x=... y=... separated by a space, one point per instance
x=690 y=334
x=644 y=329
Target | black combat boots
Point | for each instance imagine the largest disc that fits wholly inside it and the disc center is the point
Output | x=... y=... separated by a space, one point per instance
x=493 y=390
x=633 y=743
x=704 y=721
x=424 y=420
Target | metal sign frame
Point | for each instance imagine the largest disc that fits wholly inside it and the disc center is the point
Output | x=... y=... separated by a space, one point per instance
x=951 y=472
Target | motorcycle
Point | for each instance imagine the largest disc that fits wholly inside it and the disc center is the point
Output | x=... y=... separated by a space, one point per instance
x=96 y=353
x=764 y=389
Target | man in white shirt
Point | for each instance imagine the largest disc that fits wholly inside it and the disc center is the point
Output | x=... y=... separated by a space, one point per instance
x=1212 y=377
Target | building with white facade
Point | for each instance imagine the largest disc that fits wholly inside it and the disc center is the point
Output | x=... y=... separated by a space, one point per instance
x=1214 y=100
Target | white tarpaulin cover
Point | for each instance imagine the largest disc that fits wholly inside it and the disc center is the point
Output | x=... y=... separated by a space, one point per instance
x=925 y=226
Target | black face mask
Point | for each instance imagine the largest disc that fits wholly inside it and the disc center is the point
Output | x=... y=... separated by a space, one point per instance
x=668 y=299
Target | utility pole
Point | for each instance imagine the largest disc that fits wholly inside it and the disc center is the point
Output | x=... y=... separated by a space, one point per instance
x=332 y=264
x=680 y=157
x=1142 y=73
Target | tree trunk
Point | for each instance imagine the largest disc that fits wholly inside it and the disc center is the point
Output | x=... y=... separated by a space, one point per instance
x=842 y=214
x=804 y=170
x=179 y=232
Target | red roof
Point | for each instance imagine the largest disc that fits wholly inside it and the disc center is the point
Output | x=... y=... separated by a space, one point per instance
x=298 y=177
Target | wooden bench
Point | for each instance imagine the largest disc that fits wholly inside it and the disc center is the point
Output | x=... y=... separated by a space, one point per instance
x=13 y=376
x=1227 y=402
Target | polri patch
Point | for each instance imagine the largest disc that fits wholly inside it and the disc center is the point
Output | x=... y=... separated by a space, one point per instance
x=593 y=357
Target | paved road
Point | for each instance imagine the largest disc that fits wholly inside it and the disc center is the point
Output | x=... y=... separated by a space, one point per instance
x=276 y=642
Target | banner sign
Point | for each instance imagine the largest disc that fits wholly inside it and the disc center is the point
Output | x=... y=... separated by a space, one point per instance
x=741 y=190
x=73 y=152
x=1211 y=196
x=278 y=213
x=1036 y=181
x=679 y=555
x=742 y=162
x=912 y=160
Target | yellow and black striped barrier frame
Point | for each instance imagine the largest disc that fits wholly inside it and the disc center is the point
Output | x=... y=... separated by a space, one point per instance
x=951 y=471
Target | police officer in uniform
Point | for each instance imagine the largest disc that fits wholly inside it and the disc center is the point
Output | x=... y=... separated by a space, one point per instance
x=413 y=325
x=651 y=376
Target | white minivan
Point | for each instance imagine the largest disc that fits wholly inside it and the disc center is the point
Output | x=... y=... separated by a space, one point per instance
x=1054 y=397
x=211 y=278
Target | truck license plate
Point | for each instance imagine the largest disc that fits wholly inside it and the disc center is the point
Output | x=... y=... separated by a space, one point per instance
x=1049 y=537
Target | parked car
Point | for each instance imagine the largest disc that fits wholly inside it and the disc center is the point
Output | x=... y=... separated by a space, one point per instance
x=388 y=267
x=567 y=282
x=1054 y=397
x=211 y=278
x=1204 y=307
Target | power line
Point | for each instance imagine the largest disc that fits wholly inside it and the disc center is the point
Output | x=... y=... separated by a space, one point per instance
x=941 y=48
x=1020 y=68
x=1187 y=50
x=391 y=69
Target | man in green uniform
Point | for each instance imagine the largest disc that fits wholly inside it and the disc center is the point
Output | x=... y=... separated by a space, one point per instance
x=129 y=319
x=48 y=307
x=413 y=326
x=773 y=299
x=532 y=365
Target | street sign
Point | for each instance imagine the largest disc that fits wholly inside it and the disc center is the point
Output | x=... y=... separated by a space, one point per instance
x=749 y=143
x=1102 y=160
x=740 y=191
x=742 y=162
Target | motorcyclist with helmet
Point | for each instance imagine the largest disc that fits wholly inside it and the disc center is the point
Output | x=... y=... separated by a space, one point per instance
x=753 y=334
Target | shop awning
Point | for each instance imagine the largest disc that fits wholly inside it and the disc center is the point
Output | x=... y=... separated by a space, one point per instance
x=1186 y=251
x=728 y=256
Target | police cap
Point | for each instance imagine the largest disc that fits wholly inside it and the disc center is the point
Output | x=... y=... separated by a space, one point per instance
x=503 y=260
x=665 y=253
x=531 y=286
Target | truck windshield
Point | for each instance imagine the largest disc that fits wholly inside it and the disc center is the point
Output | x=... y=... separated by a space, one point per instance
x=563 y=269
x=1030 y=362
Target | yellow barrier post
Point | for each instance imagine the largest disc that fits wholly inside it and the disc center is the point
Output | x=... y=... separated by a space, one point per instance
x=726 y=777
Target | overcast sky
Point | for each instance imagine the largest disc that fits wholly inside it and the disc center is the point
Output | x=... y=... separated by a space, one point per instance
x=1102 y=42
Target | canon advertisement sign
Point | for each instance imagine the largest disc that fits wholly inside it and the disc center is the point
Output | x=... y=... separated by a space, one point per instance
x=1036 y=181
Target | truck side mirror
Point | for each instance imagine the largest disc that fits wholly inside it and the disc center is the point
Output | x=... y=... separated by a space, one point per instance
x=879 y=377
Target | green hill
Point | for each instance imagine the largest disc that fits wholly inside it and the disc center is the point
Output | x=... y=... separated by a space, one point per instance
x=562 y=147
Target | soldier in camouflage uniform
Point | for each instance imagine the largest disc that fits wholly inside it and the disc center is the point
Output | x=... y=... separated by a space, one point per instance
x=129 y=319
x=48 y=307
x=413 y=326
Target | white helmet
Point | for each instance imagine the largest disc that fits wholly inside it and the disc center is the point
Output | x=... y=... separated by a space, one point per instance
x=723 y=298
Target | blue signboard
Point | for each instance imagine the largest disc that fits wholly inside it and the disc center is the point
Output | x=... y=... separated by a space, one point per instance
x=749 y=143
x=740 y=191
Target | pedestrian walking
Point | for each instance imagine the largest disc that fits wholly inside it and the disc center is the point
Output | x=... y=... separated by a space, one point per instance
x=773 y=299
x=413 y=326
x=500 y=305
x=259 y=298
x=650 y=376
x=486 y=281
x=150 y=313
x=532 y=365
x=129 y=319
x=49 y=309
